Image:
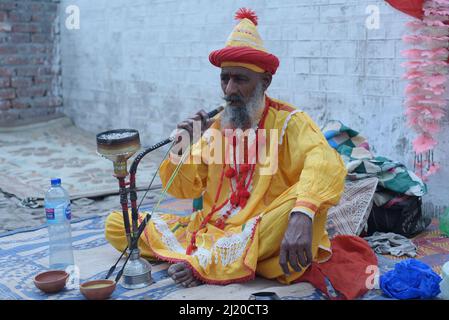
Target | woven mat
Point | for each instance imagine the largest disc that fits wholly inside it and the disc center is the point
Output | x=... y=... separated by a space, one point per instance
x=24 y=254
x=31 y=155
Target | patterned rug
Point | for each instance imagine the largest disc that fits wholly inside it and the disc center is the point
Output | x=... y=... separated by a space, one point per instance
x=433 y=248
x=24 y=254
x=31 y=155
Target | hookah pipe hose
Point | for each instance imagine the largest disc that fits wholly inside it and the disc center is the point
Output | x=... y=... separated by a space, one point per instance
x=137 y=231
x=133 y=170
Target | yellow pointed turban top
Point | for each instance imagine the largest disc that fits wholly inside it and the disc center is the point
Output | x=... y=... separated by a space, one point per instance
x=244 y=47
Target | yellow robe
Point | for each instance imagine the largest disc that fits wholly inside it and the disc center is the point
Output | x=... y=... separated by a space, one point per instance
x=308 y=177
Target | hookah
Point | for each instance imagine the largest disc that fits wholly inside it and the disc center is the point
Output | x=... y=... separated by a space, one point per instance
x=119 y=146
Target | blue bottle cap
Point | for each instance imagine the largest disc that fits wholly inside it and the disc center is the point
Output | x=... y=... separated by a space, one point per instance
x=55 y=181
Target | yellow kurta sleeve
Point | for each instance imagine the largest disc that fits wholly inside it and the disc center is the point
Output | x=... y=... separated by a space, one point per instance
x=191 y=179
x=321 y=170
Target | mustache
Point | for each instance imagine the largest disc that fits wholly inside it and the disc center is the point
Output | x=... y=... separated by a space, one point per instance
x=233 y=98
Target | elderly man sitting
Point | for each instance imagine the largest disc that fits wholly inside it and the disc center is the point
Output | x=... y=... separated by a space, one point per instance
x=256 y=219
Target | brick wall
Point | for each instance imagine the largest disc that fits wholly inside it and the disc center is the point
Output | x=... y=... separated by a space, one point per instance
x=145 y=65
x=30 y=81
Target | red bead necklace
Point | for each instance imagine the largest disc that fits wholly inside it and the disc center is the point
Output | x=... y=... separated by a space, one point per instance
x=239 y=196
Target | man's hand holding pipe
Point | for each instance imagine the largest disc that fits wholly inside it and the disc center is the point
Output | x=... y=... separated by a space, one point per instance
x=190 y=131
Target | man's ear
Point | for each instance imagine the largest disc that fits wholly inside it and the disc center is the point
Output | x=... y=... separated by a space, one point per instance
x=266 y=80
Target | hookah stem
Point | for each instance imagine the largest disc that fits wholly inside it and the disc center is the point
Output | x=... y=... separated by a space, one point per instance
x=142 y=226
x=134 y=212
x=124 y=203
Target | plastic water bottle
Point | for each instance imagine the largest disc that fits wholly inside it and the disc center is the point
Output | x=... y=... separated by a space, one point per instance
x=58 y=212
x=444 y=222
x=444 y=284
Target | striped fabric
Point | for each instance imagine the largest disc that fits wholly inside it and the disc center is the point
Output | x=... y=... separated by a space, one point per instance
x=351 y=214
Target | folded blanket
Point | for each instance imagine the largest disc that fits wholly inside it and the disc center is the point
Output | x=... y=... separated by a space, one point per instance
x=361 y=163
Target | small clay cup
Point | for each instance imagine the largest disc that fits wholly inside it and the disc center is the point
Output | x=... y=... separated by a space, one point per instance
x=51 y=281
x=91 y=290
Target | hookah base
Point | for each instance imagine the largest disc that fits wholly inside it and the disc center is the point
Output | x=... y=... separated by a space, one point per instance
x=136 y=281
x=137 y=273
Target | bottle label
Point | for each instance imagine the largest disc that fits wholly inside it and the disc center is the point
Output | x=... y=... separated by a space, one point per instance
x=58 y=214
x=68 y=212
x=50 y=213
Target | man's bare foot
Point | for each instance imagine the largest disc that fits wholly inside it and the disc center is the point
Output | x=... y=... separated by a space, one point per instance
x=181 y=274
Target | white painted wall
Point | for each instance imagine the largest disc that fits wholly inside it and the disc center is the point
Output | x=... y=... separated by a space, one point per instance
x=144 y=64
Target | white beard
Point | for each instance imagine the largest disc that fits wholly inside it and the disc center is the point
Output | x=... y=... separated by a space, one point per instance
x=245 y=117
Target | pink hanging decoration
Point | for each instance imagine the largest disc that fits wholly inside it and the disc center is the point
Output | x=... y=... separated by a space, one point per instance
x=424 y=143
x=432 y=54
x=427 y=73
x=427 y=40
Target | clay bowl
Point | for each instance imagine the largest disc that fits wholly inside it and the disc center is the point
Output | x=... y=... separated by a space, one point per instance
x=51 y=281
x=98 y=289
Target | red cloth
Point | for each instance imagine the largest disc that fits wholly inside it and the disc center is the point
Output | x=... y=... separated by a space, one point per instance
x=262 y=59
x=347 y=270
x=413 y=8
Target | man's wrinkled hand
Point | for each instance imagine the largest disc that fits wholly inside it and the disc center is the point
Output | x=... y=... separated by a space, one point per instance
x=296 y=247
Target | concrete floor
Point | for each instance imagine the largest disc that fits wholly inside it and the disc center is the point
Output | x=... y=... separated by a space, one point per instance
x=14 y=215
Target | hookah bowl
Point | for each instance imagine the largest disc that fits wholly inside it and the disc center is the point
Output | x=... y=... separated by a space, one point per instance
x=118 y=146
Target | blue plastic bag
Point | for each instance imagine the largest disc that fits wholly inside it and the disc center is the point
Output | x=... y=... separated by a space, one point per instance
x=411 y=279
